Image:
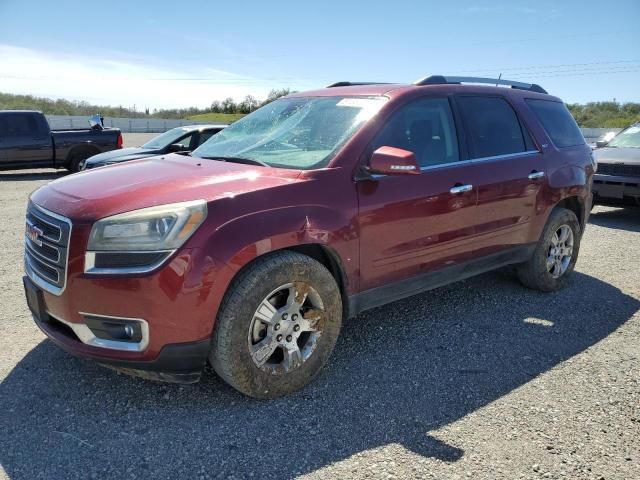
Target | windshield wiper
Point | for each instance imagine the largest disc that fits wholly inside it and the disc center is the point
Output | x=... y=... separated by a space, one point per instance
x=247 y=161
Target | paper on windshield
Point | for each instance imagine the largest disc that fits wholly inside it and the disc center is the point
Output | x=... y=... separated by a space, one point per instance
x=359 y=102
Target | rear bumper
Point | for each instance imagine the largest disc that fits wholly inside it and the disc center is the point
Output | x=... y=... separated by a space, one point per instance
x=616 y=190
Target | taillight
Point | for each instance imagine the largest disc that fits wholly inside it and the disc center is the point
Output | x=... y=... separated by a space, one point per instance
x=119 y=141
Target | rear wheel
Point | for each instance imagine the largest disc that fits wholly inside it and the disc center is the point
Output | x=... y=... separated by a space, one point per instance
x=277 y=325
x=77 y=161
x=555 y=256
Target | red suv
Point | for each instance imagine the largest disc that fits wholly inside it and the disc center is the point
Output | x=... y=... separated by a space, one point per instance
x=251 y=251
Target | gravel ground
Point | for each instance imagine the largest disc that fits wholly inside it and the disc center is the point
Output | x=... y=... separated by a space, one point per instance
x=481 y=379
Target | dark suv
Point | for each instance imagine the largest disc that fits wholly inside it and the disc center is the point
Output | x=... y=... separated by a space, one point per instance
x=250 y=252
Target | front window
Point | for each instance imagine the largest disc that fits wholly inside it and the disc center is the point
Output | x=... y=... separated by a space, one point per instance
x=424 y=127
x=167 y=138
x=628 y=138
x=300 y=132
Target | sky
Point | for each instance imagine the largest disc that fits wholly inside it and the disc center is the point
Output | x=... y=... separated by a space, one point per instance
x=160 y=54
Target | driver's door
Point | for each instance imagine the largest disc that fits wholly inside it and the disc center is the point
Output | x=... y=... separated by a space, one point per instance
x=417 y=224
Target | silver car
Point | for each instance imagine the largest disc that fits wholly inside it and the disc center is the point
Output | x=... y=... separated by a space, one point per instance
x=617 y=181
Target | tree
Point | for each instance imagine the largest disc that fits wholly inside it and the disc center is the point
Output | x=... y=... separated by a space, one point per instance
x=216 y=106
x=274 y=94
x=248 y=105
x=229 y=106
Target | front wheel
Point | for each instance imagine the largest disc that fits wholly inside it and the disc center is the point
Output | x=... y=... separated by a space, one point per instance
x=555 y=255
x=277 y=325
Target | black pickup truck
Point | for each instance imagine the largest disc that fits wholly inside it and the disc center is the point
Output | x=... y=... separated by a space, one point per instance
x=26 y=141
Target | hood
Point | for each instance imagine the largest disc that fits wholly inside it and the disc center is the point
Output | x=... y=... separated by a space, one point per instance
x=93 y=194
x=629 y=156
x=121 y=155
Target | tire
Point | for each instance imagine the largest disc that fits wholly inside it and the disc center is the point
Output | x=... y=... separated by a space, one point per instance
x=536 y=273
x=76 y=162
x=293 y=277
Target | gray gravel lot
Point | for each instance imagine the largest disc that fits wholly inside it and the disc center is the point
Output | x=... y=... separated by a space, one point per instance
x=481 y=379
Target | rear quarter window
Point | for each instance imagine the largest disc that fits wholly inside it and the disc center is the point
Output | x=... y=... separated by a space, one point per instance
x=557 y=122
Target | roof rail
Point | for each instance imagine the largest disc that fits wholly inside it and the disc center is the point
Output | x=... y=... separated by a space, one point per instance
x=353 y=84
x=444 y=80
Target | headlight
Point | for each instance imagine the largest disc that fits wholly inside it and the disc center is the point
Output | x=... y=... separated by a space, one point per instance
x=141 y=240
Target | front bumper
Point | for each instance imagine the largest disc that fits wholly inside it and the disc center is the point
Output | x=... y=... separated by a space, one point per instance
x=615 y=190
x=175 y=307
x=181 y=362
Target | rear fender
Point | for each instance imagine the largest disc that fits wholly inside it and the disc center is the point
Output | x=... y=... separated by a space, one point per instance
x=571 y=183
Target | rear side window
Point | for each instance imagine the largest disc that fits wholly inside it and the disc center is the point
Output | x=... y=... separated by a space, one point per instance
x=558 y=122
x=492 y=126
x=19 y=125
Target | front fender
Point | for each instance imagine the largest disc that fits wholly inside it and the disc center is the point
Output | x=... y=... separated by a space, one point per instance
x=236 y=243
x=243 y=239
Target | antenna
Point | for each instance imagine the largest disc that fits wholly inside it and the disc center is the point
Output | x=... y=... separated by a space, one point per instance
x=499 y=77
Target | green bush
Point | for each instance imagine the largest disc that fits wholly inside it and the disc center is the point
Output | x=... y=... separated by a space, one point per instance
x=605 y=114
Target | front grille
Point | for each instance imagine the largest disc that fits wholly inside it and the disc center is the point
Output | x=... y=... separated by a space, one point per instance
x=619 y=169
x=46 y=248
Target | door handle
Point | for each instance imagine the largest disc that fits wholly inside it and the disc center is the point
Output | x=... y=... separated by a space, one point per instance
x=460 y=189
x=533 y=175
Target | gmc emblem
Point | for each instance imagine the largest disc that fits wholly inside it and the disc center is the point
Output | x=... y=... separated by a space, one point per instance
x=34 y=233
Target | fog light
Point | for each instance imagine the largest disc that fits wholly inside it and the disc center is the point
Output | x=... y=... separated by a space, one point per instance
x=116 y=329
x=128 y=331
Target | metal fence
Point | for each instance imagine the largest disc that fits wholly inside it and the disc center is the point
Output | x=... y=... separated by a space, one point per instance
x=593 y=134
x=128 y=125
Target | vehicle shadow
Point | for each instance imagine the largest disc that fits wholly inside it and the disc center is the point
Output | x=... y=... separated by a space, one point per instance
x=398 y=373
x=617 y=218
x=22 y=175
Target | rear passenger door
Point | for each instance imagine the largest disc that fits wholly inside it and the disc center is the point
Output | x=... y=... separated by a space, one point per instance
x=509 y=172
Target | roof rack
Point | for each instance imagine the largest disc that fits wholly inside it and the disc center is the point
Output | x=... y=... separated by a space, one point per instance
x=444 y=80
x=353 y=84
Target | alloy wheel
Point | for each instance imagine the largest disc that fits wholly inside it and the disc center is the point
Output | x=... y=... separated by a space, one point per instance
x=286 y=327
x=560 y=251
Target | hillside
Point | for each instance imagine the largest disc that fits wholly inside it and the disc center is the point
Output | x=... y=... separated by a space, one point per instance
x=217 y=117
x=589 y=115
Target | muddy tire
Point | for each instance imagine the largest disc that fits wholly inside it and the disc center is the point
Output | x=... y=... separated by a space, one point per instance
x=555 y=255
x=277 y=325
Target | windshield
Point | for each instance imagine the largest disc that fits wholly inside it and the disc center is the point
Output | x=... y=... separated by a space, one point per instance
x=627 y=138
x=300 y=132
x=166 y=139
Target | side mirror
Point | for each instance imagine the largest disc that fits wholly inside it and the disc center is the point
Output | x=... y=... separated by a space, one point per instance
x=176 y=147
x=601 y=143
x=394 y=161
